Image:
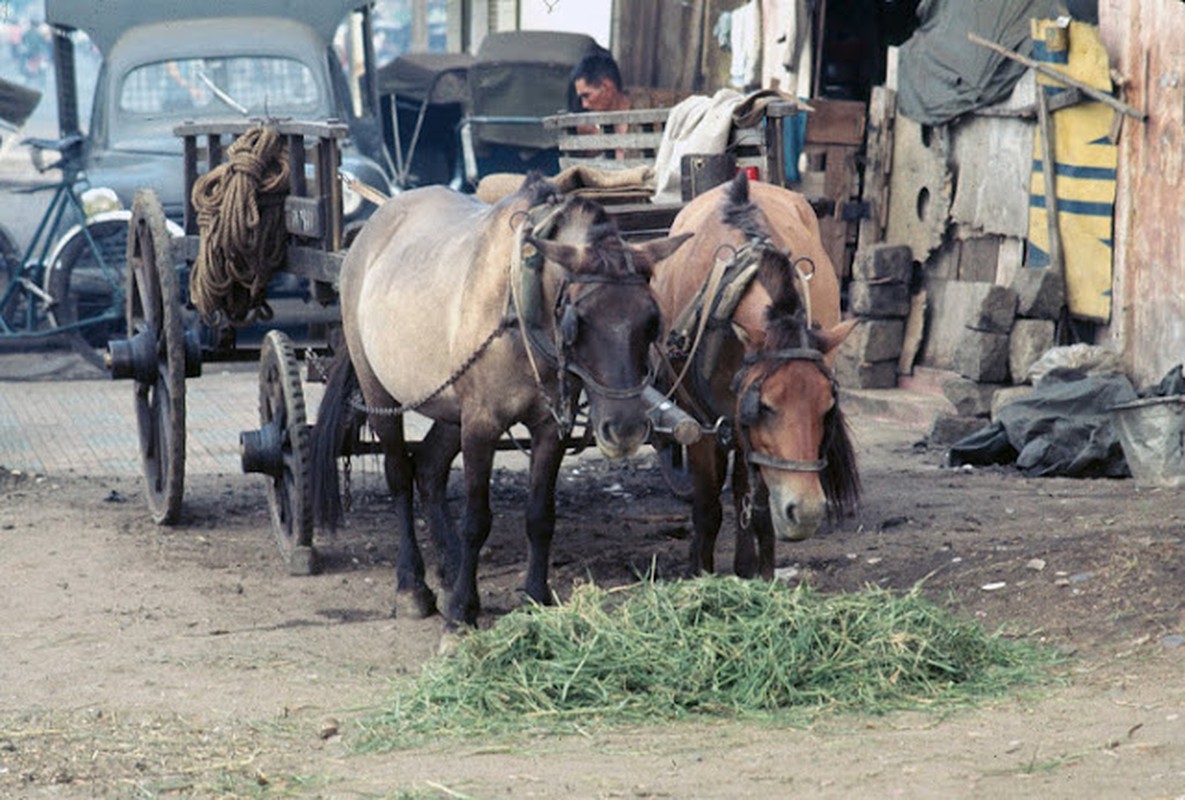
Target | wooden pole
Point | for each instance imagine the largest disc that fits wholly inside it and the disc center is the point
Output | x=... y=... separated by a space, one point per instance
x=1061 y=77
x=1045 y=122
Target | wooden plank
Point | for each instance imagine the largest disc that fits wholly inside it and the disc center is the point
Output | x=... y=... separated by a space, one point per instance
x=605 y=162
x=610 y=141
x=878 y=165
x=836 y=122
x=636 y=116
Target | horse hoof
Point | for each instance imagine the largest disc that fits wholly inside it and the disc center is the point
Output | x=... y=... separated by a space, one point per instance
x=415 y=603
x=450 y=640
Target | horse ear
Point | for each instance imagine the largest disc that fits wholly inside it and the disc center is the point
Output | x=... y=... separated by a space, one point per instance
x=648 y=254
x=566 y=254
x=834 y=336
x=742 y=334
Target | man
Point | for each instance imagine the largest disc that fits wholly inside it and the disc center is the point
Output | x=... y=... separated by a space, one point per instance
x=596 y=84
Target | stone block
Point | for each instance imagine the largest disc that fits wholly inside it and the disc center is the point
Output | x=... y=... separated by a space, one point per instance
x=978 y=258
x=883 y=262
x=1029 y=340
x=949 y=428
x=1006 y=395
x=1040 y=293
x=852 y=373
x=880 y=300
x=995 y=309
x=982 y=356
x=875 y=340
x=955 y=306
x=970 y=398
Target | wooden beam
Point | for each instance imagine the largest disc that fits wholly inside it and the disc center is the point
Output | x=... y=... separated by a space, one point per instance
x=1061 y=77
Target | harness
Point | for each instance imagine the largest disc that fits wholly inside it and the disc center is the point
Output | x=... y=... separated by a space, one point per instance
x=549 y=343
x=551 y=340
x=698 y=336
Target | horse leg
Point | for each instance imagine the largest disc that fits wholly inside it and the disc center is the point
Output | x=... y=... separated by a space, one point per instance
x=411 y=592
x=708 y=464
x=478 y=454
x=547 y=451
x=433 y=460
x=745 y=559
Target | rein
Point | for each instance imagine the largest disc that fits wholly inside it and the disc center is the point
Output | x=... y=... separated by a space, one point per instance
x=526 y=279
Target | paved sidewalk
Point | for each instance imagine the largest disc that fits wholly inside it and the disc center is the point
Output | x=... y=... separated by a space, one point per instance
x=88 y=426
x=59 y=416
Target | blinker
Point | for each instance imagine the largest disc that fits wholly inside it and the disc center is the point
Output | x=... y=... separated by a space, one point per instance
x=750 y=407
x=569 y=325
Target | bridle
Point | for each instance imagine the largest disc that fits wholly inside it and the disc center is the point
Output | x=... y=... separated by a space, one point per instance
x=748 y=412
x=557 y=350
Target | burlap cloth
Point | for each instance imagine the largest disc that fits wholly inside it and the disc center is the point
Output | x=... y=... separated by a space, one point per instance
x=617 y=185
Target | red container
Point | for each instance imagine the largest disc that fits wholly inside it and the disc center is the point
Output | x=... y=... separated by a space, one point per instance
x=751 y=173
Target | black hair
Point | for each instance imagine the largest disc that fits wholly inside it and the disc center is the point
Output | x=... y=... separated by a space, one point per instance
x=596 y=67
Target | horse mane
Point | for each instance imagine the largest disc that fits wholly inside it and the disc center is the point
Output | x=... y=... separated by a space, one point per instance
x=602 y=237
x=786 y=328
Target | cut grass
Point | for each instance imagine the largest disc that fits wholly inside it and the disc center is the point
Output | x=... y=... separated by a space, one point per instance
x=710 y=646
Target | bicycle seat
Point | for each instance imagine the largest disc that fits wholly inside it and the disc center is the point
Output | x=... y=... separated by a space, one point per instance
x=37 y=143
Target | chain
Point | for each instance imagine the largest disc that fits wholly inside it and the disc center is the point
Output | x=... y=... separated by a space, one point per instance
x=394 y=411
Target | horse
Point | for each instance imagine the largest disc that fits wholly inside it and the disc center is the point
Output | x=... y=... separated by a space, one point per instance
x=745 y=349
x=482 y=317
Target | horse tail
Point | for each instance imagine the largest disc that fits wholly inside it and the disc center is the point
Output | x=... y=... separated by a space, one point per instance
x=841 y=476
x=328 y=440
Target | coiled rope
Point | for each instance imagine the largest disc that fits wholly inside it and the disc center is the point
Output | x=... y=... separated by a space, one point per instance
x=240 y=214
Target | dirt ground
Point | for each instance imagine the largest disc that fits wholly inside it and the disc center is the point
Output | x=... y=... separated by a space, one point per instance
x=138 y=661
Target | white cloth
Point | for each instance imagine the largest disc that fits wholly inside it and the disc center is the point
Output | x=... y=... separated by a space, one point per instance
x=699 y=124
x=786 y=31
x=745 y=43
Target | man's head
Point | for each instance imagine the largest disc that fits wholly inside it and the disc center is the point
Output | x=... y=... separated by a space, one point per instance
x=596 y=84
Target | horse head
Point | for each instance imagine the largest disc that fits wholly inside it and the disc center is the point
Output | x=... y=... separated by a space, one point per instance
x=790 y=426
x=604 y=318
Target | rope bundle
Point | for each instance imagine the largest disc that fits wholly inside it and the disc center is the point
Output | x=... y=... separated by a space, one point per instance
x=240 y=214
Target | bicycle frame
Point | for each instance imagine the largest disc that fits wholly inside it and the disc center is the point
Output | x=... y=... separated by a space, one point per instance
x=27 y=279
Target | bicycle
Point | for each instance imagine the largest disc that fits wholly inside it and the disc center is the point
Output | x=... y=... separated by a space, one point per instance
x=68 y=284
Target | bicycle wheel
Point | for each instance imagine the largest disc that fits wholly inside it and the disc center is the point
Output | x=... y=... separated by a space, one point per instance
x=154 y=305
x=10 y=261
x=87 y=283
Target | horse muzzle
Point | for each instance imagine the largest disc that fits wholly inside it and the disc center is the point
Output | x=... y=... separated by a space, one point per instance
x=620 y=436
x=794 y=517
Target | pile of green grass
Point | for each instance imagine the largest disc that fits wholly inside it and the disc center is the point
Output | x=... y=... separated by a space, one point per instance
x=710 y=646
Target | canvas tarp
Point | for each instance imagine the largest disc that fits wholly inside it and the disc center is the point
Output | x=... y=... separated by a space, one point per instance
x=17 y=102
x=941 y=74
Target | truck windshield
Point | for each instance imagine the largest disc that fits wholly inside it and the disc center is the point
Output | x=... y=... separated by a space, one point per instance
x=202 y=87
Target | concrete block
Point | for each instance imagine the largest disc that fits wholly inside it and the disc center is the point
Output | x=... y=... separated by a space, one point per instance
x=883 y=262
x=982 y=356
x=1029 y=340
x=954 y=306
x=995 y=309
x=970 y=398
x=977 y=260
x=948 y=429
x=880 y=300
x=851 y=373
x=875 y=340
x=1006 y=395
x=1040 y=293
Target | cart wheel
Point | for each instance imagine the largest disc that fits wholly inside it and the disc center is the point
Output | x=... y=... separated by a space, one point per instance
x=672 y=463
x=154 y=311
x=280 y=450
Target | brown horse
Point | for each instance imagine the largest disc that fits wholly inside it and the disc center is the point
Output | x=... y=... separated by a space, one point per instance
x=482 y=317
x=760 y=355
